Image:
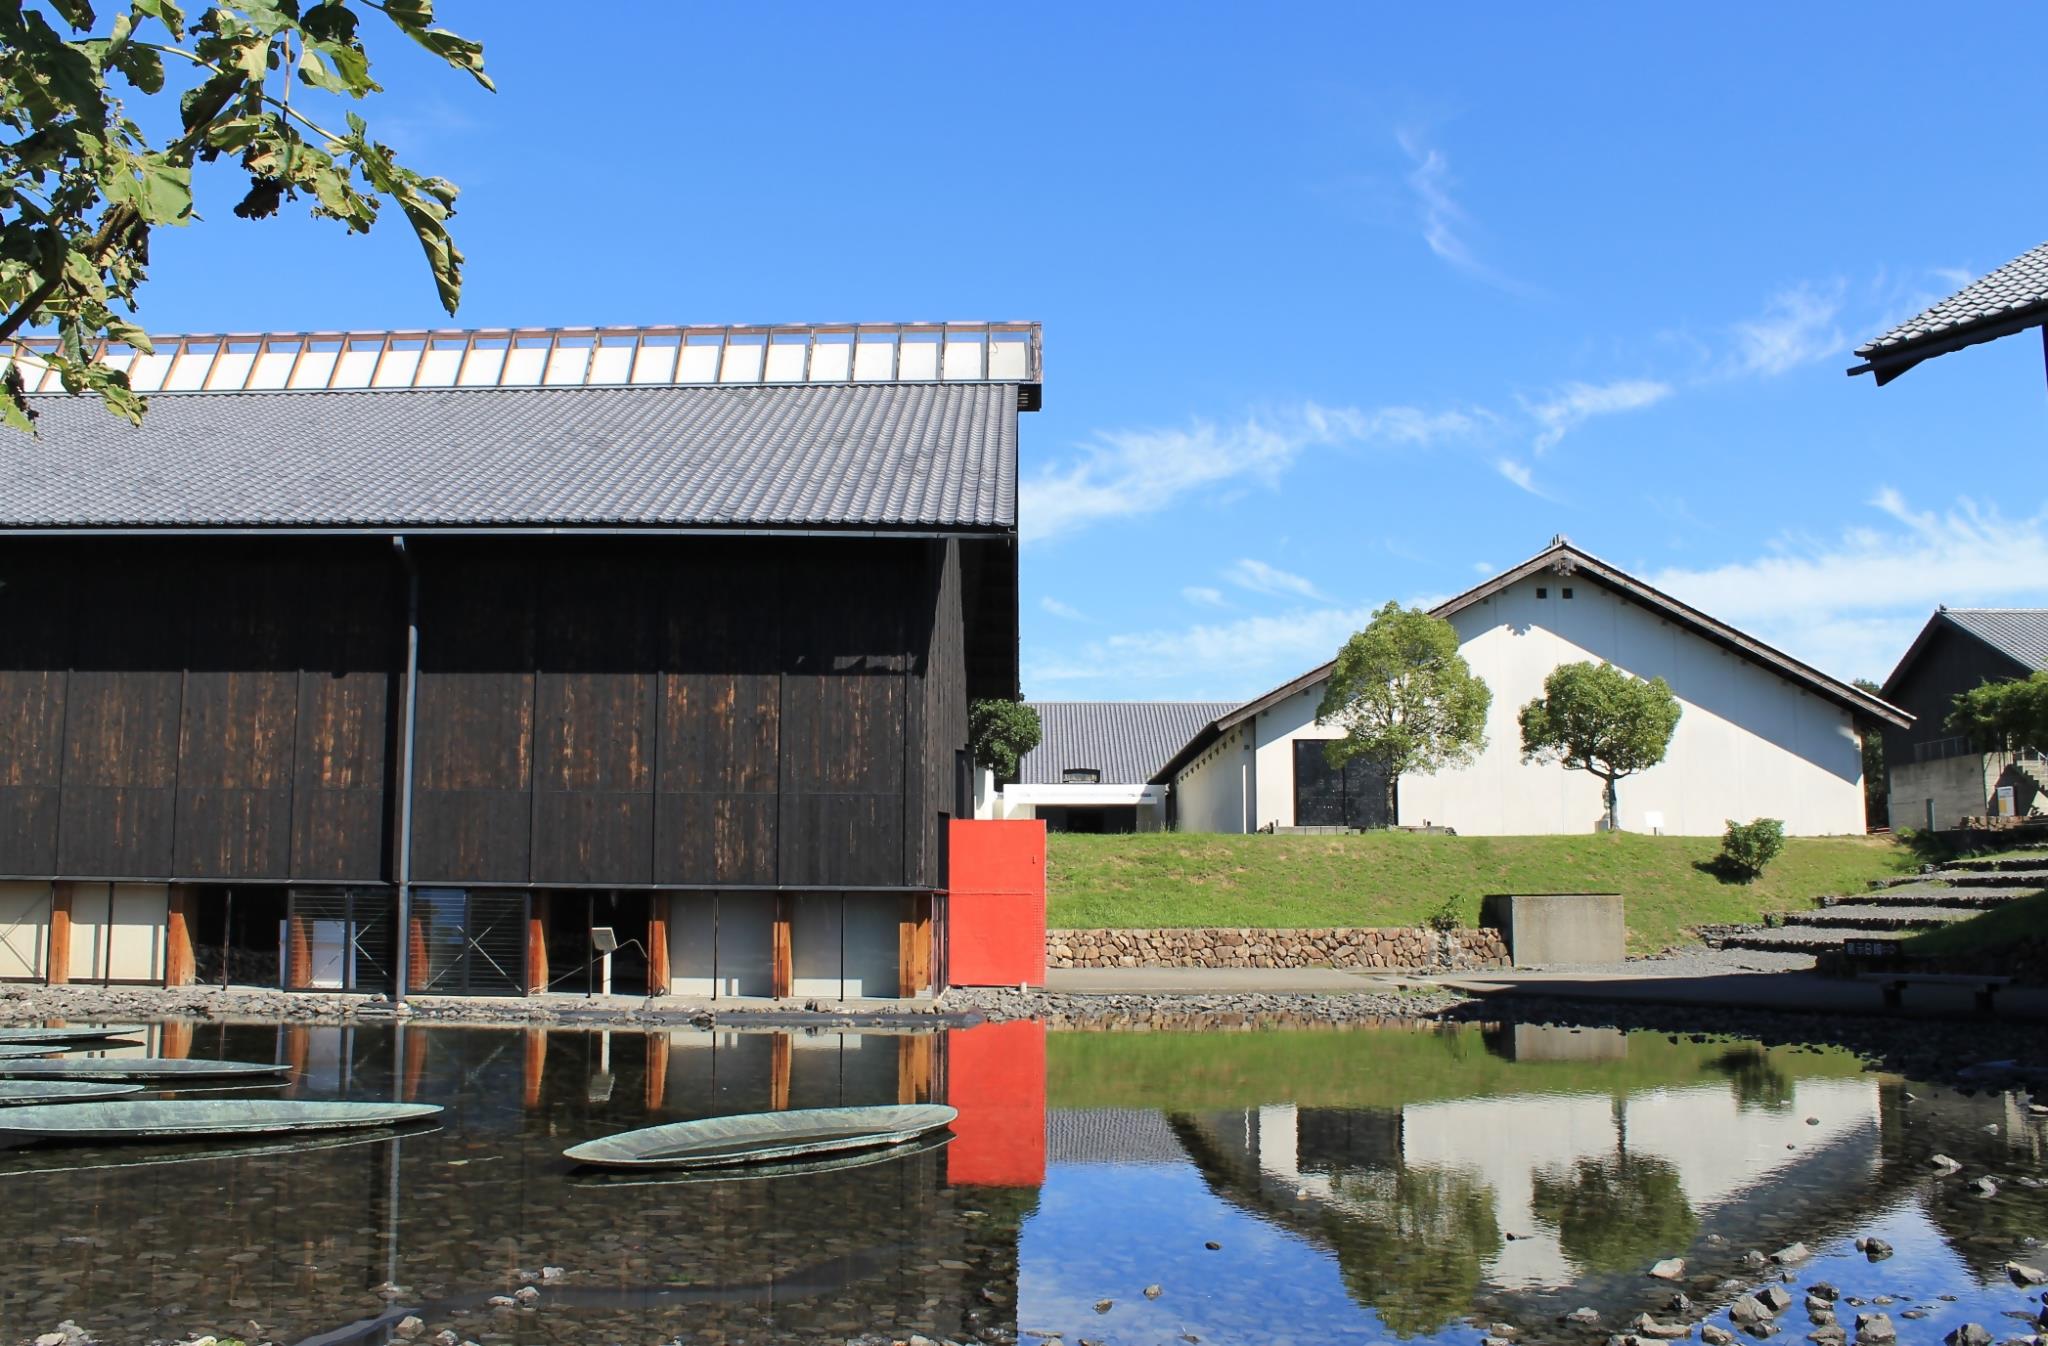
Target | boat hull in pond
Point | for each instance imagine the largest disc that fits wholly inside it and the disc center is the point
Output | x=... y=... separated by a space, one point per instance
x=25 y=1093
x=763 y=1137
x=36 y=1037
x=131 y=1068
x=178 y=1119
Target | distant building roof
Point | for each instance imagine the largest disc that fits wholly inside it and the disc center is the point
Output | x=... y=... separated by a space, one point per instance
x=2010 y=299
x=1563 y=558
x=1127 y=741
x=2020 y=634
x=889 y=456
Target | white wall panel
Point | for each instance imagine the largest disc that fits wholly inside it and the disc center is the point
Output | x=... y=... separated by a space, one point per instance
x=24 y=930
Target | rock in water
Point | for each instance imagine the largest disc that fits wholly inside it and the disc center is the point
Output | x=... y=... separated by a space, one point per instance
x=1983 y=1187
x=1969 y=1334
x=410 y=1327
x=1680 y=1302
x=1754 y=1259
x=1154 y=1291
x=1791 y=1255
x=1644 y=1325
x=1774 y=1298
x=1582 y=1318
x=1876 y=1250
x=2024 y=1275
x=1716 y=1336
x=1748 y=1309
x=1944 y=1165
x=1817 y=1304
x=1875 y=1329
x=1104 y=1305
x=1823 y=1290
x=1670 y=1269
x=1828 y=1334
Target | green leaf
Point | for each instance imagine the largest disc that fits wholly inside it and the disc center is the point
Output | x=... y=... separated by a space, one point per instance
x=337 y=68
x=77 y=13
x=457 y=51
x=121 y=330
x=165 y=12
x=161 y=191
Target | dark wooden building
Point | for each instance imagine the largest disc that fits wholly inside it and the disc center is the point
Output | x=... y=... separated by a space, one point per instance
x=495 y=688
x=1936 y=777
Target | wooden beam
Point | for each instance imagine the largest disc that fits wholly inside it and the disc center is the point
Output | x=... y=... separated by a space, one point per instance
x=59 y=971
x=915 y=1055
x=537 y=944
x=783 y=976
x=175 y=1039
x=536 y=1065
x=658 y=979
x=914 y=946
x=416 y=953
x=415 y=1061
x=180 y=966
x=298 y=953
x=657 y=1071
x=780 y=1057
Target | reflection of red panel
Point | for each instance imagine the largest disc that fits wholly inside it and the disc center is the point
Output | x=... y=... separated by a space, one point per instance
x=995 y=1076
x=995 y=903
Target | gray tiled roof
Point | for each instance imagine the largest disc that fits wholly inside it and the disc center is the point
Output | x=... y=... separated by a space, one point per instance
x=1127 y=741
x=2021 y=633
x=2018 y=285
x=845 y=455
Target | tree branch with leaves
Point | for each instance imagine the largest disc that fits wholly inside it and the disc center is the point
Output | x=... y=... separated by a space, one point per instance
x=83 y=183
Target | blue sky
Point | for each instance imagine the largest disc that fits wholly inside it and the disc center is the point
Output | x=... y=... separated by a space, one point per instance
x=1341 y=304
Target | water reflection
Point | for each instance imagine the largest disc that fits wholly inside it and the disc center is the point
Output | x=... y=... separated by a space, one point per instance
x=1358 y=1183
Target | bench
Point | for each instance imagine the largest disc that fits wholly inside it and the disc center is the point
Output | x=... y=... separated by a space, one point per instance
x=1894 y=984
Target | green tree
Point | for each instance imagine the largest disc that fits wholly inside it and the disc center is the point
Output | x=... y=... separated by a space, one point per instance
x=2003 y=716
x=1597 y=719
x=1618 y=1213
x=999 y=733
x=102 y=123
x=1877 y=810
x=1405 y=698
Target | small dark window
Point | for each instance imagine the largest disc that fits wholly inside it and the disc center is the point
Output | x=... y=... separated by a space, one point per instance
x=1542 y=592
x=1566 y=592
x=1080 y=775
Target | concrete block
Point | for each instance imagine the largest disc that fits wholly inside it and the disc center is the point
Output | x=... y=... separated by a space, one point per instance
x=1558 y=929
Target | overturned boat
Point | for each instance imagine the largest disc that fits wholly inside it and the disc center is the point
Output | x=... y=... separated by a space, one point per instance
x=35 y=1037
x=23 y=1093
x=174 y=1119
x=763 y=1137
x=131 y=1068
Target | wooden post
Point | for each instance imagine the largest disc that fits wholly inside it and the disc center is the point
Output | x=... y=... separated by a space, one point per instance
x=657 y=1071
x=657 y=945
x=176 y=1039
x=914 y=1057
x=536 y=1065
x=537 y=944
x=298 y=953
x=416 y=945
x=59 y=971
x=180 y=967
x=780 y=1058
x=914 y=946
x=783 y=977
x=415 y=1061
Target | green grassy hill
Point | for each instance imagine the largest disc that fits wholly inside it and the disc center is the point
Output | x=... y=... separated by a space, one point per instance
x=1400 y=878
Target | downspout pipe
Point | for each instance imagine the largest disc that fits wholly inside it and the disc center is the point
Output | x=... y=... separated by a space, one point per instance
x=403 y=962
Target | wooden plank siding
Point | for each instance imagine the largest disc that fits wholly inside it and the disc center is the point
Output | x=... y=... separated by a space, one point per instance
x=702 y=713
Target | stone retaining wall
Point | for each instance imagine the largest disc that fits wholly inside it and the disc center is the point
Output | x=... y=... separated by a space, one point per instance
x=1459 y=950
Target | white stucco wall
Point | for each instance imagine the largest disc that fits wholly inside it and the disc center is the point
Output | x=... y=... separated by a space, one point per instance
x=1749 y=743
x=1210 y=794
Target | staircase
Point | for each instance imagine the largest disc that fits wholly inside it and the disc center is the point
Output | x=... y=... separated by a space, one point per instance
x=1895 y=908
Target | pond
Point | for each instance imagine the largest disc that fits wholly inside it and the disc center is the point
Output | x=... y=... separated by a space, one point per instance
x=1270 y=1185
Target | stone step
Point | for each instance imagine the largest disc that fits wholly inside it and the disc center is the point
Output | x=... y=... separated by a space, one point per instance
x=1782 y=939
x=1930 y=895
x=1895 y=916
x=2004 y=860
x=2030 y=878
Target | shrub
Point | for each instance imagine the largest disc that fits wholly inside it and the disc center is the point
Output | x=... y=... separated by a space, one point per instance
x=1748 y=847
x=1445 y=918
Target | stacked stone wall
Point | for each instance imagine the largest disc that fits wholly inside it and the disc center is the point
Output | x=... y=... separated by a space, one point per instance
x=1390 y=949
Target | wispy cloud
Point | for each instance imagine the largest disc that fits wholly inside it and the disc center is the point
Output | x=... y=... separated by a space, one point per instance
x=1261 y=578
x=1126 y=473
x=1797 y=327
x=1482 y=568
x=1203 y=596
x=1576 y=403
x=1443 y=221
x=1518 y=473
x=1851 y=604
x=1235 y=658
x=1065 y=611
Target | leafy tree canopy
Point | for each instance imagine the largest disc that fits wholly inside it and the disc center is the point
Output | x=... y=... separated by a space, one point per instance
x=999 y=733
x=1405 y=698
x=1596 y=718
x=101 y=123
x=2002 y=716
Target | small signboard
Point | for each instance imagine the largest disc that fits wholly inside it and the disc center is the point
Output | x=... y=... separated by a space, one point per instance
x=1872 y=948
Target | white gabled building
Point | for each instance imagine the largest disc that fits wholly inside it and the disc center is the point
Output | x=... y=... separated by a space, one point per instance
x=1761 y=734
x=1092 y=769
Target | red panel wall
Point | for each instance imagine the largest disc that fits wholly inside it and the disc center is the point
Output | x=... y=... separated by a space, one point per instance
x=995 y=1076
x=995 y=904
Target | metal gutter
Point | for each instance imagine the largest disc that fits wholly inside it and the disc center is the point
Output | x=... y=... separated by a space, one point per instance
x=403 y=865
x=1889 y=362
x=983 y=532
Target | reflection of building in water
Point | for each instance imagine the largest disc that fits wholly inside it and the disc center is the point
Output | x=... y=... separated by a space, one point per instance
x=924 y=1243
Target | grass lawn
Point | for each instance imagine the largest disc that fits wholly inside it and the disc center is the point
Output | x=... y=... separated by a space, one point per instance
x=1998 y=928
x=1400 y=878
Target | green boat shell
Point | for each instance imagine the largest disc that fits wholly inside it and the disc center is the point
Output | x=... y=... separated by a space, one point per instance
x=762 y=1137
x=22 y=1093
x=32 y=1036
x=131 y=1068
x=176 y=1119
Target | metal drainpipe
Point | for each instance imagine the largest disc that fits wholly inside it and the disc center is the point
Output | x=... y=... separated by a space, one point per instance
x=412 y=674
